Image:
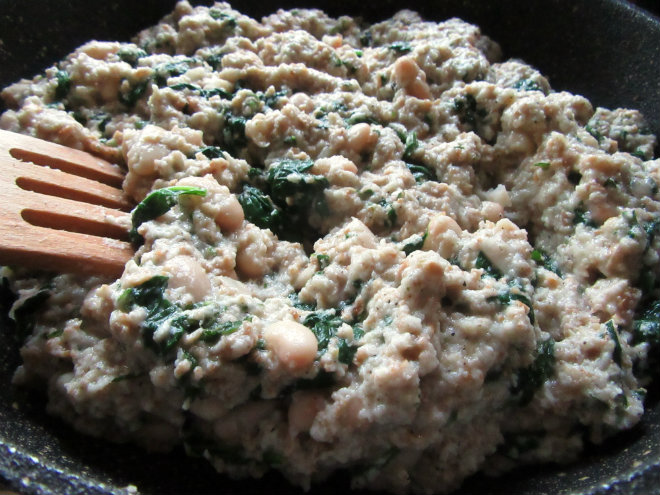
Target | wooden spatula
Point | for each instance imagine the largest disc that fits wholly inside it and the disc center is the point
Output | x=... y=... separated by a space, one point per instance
x=61 y=209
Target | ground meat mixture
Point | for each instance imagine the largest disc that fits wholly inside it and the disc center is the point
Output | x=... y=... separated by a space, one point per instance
x=376 y=249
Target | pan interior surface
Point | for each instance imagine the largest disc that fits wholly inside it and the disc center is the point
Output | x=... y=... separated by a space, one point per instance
x=575 y=43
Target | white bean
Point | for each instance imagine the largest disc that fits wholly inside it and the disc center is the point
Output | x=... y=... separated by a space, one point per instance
x=230 y=217
x=294 y=344
x=186 y=272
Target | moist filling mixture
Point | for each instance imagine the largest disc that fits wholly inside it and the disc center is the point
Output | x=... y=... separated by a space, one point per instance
x=377 y=249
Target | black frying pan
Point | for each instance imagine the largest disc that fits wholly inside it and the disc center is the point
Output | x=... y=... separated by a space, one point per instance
x=606 y=50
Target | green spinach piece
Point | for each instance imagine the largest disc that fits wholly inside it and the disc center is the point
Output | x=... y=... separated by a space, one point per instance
x=271 y=100
x=323 y=261
x=421 y=172
x=135 y=92
x=414 y=243
x=346 y=352
x=212 y=334
x=594 y=132
x=545 y=261
x=215 y=60
x=366 y=38
x=260 y=210
x=25 y=313
x=646 y=327
x=532 y=378
x=361 y=118
x=157 y=203
x=233 y=132
x=582 y=215
x=505 y=298
x=295 y=189
x=526 y=85
x=296 y=303
x=390 y=212
x=218 y=15
x=617 y=353
x=411 y=145
x=324 y=324
x=131 y=55
x=401 y=47
x=173 y=69
x=469 y=113
x=212 y=152
x=150 y=295
x=63 y=84
x=487 y=266
x=205 y=93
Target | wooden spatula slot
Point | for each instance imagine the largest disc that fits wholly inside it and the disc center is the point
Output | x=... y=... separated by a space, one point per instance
x=81 y=164
x=61 y=185
x=57 y=221
x=61 y=209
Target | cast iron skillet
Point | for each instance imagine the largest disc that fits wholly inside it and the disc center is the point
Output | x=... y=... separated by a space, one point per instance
x=606 y=50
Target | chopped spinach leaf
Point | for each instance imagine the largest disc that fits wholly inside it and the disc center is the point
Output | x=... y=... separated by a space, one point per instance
x=260 y=210
x=617 y=353
x=401 y=47
x=63 y=84
x=527 y=85
x=131 y=55
x=411 y=143
x=233 y=132
x=391 y=215
x=160 y=311
x=594 y=132
x=205 y=93
x=55 y=333
x=212 y=334
x=346 y=352
x=531 y=378
x=24 y=313
x=366 y=38
x=545 y=261
x=271 y=100
x=421 y=173
x=487 y=266
x=184 y=85
x=157 y=203
x=212 y=152
x=129 y=376
x=361 y=118
x=583 y=216
x=506 y=297
x=135 y=91
x=543 y=165
x=295 y=189
x=295 y=301
x=646 y=327
x=324 y=324
x=215 y=60
x=414 y=243
x=323 y=260
x=469 y=113
x=164 y=71
x=218 y=15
